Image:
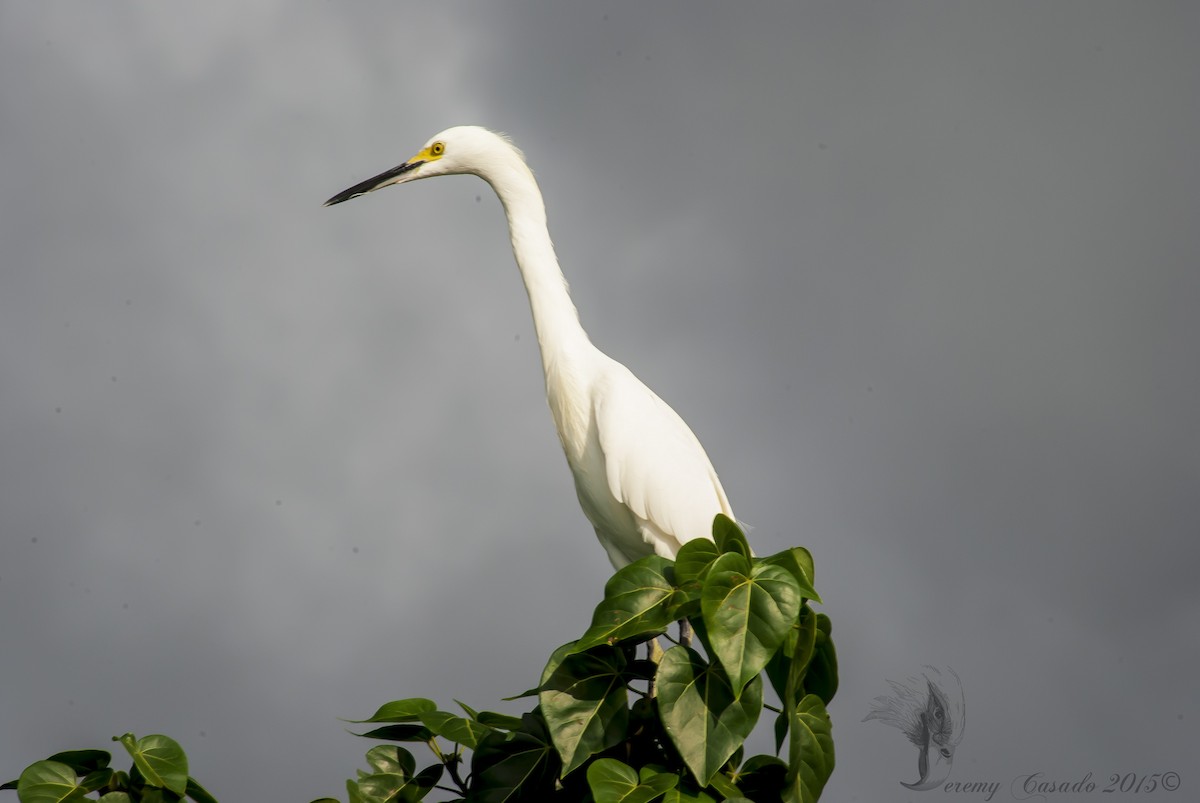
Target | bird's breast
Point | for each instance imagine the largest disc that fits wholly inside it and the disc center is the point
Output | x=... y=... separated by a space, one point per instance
x=571 y=391
x=569 y=397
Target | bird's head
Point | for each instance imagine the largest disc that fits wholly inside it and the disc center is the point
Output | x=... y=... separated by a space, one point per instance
x=462 y=149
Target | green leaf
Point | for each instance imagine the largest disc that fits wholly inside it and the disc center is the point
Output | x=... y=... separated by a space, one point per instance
x=612 y=781
x=686 y=792
x=160 y=759
x=783 y=724
x=96 y=779
x=779 y=667
x=407 y=710
x=83 y=761
x=427 y=779
x=393 y=779
x=705 y=719
x=384 y=787
x=810 y=751
x=455 y=728
x=729 y=537
x=198 y=793
x=517 y=766
x=727 y=788
x=685 y=605
x=116 y=797
x=390 y=759
x=762 y=778
x=636 y=603
x=799 y=563
x=48 y=782
x=748 y=611
x=157 y=794
x=501 y=721
x=788 y=665
x=641 y=669
x=527 y=693
x=822 y=675
x=390 y=788
x=399 y=733
x=693 y=559
x=585 y=702
x=691 y=567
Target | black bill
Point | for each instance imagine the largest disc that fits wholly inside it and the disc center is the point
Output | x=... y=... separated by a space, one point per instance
x=384 y=178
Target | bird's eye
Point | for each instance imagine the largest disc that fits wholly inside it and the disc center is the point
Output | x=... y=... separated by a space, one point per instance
x=437 y=148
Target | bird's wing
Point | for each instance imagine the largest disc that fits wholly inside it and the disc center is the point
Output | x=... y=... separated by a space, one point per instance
x=654 y=464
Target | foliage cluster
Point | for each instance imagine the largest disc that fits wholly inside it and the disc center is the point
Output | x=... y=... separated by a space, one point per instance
x=682 y=737
x=608 y=726
x=159 y=774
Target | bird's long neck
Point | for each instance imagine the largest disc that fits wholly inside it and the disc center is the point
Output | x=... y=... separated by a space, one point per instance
x=555 y=319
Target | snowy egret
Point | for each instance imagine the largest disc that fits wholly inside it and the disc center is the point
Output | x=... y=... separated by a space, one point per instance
x=643 y=479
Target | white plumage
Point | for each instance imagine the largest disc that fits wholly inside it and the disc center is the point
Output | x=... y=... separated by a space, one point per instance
x=643 y=479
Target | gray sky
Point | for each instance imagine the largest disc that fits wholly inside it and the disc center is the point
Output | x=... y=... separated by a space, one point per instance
x=924 y=279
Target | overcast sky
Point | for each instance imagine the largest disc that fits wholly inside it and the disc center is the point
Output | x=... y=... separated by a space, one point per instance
x=923 y=277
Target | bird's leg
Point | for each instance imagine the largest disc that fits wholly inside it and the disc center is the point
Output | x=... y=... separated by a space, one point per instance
x=685 y=632
x=654 y=653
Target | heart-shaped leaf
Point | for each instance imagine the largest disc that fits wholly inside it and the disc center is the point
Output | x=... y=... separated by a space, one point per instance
x=119 y=797
x=160 y=759
x=722 y=783
x=83 y=761
x=636 y=603
x=762 y=777
x=798 y=561
x=685 y=792
x=705 y=718
x=521 y=765
x=585 y=702
x=197 y=792
x=787 y=667
x=810 y=751
x=693 y=558
x=613 y=781
x=399 y=733
x=48 y=782
x=386 y=787
x=821 y=677
x=466 y=732
x=97 y=779
x=390 y=759
x=407 y=710
x=729 y=537
x=748 y=611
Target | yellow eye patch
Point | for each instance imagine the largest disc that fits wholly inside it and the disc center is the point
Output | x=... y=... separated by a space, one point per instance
x=431 y=153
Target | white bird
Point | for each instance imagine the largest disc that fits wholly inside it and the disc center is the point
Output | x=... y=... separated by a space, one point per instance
x=643 y=479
